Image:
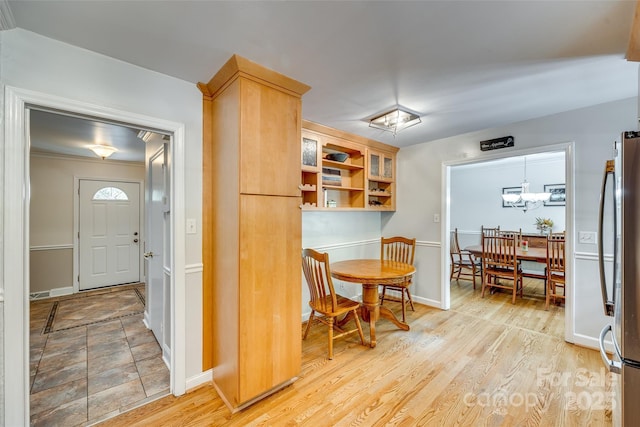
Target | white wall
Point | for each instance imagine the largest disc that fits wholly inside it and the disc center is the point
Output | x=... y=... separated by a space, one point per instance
x=29 y=61
x=475 y=195
x=593 y=129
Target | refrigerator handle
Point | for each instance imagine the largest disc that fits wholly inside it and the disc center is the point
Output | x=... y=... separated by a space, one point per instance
x=609 y=171
x=614 y=366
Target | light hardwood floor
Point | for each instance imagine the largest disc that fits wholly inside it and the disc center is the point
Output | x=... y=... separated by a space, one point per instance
x=484 y=362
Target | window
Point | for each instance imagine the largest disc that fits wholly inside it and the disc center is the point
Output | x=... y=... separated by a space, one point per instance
x=110 y=193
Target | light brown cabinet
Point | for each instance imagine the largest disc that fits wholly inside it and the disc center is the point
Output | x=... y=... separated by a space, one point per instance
x=349 y=184
x=252 y=231
x=381 y=179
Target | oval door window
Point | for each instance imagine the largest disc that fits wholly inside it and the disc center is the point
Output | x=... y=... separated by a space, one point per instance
x=110 y=193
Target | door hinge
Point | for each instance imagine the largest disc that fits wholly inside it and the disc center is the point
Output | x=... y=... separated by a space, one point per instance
x=78 y=278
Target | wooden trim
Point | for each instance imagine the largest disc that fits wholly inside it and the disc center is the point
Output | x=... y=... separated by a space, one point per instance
x=371 y=143
x=207 y=235
x=633 y=49
x=238 y=66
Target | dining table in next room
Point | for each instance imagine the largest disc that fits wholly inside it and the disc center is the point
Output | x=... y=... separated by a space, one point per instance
x=371 y=273
x=534 y=254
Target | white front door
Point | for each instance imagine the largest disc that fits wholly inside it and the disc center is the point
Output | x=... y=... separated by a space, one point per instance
x=109 y=237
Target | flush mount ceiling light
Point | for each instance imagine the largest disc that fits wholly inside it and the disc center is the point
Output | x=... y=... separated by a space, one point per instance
x=145 y=135
x=103 y=151
x=395 y=120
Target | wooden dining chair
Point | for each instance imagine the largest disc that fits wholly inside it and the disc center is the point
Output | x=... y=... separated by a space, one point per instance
x=557 y=236
x=324 y=299
x=463 y=263
x=517 y=234
x=555 y=269
x=500 y=263
x=400 y=249
x=489 y=231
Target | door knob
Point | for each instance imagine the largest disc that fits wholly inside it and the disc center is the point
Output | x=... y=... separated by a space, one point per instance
x=148 y=255
x=135 y=240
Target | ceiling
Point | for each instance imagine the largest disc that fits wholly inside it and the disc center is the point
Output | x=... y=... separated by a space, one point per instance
x=463 y=65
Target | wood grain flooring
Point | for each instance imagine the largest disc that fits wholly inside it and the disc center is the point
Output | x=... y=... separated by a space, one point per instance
x=484 y=362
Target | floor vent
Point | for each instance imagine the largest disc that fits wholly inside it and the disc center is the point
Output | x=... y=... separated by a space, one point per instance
x=38 y=295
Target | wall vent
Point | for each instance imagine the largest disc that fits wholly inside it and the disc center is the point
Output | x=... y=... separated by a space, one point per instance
x=39 y=295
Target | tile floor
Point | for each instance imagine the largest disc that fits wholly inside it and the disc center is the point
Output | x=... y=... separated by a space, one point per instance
x=96 y=362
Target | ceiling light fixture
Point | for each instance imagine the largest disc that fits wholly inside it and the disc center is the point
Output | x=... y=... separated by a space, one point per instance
x=145 y=135
x=395 y=120
x=525 y=200
x=103 y=151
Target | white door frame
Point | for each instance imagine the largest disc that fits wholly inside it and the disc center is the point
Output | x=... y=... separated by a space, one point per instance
x=15 y=227
x=76 y=224
x=568 y=149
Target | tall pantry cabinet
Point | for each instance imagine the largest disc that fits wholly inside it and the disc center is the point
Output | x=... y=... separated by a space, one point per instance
x=252 y=227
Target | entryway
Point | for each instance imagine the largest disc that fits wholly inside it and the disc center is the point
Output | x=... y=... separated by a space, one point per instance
x=16 y=218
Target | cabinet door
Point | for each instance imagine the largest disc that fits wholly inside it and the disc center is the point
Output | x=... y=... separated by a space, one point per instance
x=270 y=306
x=381 y=166
x=269 y=141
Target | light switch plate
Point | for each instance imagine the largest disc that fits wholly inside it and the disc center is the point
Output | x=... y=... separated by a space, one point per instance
x=436 y=217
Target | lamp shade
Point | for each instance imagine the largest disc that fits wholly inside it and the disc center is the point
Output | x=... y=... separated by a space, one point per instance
x=103 y=151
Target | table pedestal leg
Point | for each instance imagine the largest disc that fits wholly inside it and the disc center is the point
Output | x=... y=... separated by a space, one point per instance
x=371 y=311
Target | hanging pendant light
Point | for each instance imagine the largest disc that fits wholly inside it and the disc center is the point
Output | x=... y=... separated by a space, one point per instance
x=525 y=200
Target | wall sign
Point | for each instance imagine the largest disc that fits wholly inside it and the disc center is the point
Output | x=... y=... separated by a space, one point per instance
x=494 y=144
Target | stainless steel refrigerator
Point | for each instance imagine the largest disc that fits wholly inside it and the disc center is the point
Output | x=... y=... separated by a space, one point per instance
x=619 y=232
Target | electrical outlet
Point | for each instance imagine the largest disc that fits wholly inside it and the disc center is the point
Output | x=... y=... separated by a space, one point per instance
x=436 y=217
x=191 y=226
x=588 y=237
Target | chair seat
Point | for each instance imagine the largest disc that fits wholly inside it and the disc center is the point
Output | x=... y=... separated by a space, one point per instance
x=501 y=271
x=344 y=305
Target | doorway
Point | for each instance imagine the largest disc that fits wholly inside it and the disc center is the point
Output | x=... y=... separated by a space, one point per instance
x=16 y=233
x=491 y=203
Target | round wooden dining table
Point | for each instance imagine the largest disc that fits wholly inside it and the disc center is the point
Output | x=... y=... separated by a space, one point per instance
x=371 y=273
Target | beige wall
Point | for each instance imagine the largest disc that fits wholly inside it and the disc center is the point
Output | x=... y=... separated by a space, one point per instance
x=51 y=216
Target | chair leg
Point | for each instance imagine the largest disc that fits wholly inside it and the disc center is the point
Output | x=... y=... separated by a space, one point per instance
x=410 y=299
x=548 y=297
x=330 y=323
x=404 y=309
x=384 y=290
x=356 y=318
x=473 y=275
x=486 y=280
x=309 y=322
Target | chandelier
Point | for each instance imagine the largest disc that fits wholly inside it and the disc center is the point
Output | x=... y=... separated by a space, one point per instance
x=525 y=200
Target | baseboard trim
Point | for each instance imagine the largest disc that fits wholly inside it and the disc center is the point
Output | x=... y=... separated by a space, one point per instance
x=426 y=301
x=198 y=380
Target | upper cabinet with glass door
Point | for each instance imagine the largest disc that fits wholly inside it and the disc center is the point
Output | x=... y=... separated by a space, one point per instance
x=342 y=171
x=381 y=179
